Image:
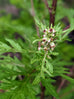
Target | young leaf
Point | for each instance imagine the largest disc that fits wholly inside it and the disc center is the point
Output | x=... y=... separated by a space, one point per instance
x=4 y=47
x=45 y=70
x=54 y=53
x=50 y=88
x=37 y=79
x=49 y=66
x=36 y=40
x=15 y=45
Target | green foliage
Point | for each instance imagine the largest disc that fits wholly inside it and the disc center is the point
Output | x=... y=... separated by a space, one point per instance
x=22 y=73
x=48 y=85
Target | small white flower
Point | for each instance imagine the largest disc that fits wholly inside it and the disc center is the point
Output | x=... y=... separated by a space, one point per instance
x=44 y=35
x=50 y=30
x=45 y=48
x=54 y=31
x=39 y=48
x=53 y=34
x=52 y=48
x=45 y=30
x=52 y=44
x=42 y=43
x=44 y=39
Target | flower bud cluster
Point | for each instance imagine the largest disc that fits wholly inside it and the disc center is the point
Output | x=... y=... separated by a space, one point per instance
x=48 y=40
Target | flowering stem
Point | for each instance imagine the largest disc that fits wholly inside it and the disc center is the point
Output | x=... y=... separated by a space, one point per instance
x=33 y=14
x=42 y=87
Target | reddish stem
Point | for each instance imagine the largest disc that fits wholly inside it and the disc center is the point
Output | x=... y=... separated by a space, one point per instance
x=66 y=27
x=42 y=91
x=46 y=3
x=52 y=13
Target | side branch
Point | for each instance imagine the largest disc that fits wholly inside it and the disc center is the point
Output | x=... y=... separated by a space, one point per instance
x=66 y=28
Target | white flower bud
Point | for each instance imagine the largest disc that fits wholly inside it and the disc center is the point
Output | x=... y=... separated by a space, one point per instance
x=50 y=30
x=39 y=48
x=52 y=48
x=52 y=44
x=42 y=43
x=54 y=31
x=45 y=30
x=45 y=48
x=44 y=39
x=53 y=34
x=44 y=35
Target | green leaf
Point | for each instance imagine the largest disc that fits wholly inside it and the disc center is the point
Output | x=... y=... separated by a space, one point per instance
x=15 y=45
x=34 y=60
x=51 y=90
x=54 y=53
x=49 y=87
x=37 y=40
x=40 y=24
x=45 y=70
x=4 y=47
x=37 y=79
x=68 y=78
x=49 y=66
x=66 y=32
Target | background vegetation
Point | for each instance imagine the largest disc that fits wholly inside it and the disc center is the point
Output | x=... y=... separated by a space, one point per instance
x=19 y=58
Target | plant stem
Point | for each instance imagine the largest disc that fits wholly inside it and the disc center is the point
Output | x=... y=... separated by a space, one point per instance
x=42 y=87
x=66 y=28
x=52 y=11
x=42 y=91
x=33 y=14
